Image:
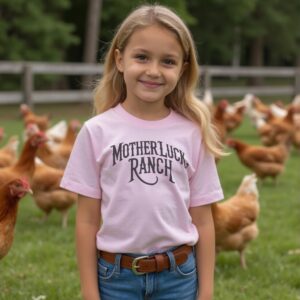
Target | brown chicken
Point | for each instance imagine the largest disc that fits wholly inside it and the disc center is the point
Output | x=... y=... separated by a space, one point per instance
x=47 y=193
x=219 y=119
x=56 y=156
x=259 y=106
x=296 y=134
x=24 y=167
x=1 y=133
x=233 y=119
x=282 y=128
x=30 y=118
x=235 y=219
x=10 y=194
x=66 y=144
x=8 y=153
x=263 y=161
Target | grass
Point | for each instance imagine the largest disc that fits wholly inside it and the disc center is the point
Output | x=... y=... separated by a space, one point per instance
x=42 y=259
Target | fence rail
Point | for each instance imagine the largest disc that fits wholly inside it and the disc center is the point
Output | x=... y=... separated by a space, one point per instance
x=28 y=71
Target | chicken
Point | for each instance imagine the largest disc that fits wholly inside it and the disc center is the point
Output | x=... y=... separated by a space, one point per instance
x=219 y=121
x=24 y=167
x=10 y=194
x=235 y=219
x=264 y=161
x=57 y=156
x=8 y=153
x=258 y=105
x=1 y=133
x=30 y=118
x=283 y=127
x=57 y=132
x=47 y=193
x=296 y=133
x=234 y=117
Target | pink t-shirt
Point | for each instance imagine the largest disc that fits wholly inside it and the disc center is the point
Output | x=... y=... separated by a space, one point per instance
x=147 y=175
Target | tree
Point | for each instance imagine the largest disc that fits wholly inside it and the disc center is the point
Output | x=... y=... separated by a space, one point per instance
x=268 y=31
x=34 y=30
x=92 y=30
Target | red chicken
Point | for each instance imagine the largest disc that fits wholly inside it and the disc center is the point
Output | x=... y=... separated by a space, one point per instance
x=10 y=194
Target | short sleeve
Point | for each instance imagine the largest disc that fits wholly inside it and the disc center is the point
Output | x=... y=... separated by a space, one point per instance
x=205 y=187
x=82 y=173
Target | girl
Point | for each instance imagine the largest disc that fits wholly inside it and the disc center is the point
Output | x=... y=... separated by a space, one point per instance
x=145 y=164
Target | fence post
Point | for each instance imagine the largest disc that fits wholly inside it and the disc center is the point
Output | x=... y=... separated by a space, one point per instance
x=297 y=82
x=27 y=84
x=205 y=80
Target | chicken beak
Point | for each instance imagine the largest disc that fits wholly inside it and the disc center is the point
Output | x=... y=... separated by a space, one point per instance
x=30 y=191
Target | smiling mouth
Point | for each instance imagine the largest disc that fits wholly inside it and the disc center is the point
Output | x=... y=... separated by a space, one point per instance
x=150 y=84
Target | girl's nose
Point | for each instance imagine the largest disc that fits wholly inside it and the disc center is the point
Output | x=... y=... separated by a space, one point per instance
x=153 y=69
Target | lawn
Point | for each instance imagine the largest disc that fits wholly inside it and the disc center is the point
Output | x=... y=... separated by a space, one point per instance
x=42 y=259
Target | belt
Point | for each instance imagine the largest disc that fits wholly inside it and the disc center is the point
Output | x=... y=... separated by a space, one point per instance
x=147 y=264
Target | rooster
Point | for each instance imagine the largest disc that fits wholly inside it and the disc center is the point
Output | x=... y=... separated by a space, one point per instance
x=10 y=194
x=235 y=219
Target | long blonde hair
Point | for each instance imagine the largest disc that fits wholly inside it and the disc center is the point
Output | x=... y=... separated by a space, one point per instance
x=111 y=90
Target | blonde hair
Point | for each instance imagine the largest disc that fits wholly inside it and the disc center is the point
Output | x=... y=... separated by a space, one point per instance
x=111 y=90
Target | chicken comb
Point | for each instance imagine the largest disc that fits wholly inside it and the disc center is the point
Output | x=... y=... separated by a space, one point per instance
x=25 y=183
x=223 y=103
x=230 y=142
x=75 y=124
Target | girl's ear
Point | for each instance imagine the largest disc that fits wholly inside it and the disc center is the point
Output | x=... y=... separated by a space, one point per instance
x=119 y=60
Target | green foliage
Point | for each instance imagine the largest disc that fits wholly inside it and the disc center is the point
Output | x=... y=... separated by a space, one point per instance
x=112 y=17
x=221 y=23
x=34 y=30
x=42 y=259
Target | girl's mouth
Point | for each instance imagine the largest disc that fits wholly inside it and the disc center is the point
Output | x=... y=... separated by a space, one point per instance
x=150 y=84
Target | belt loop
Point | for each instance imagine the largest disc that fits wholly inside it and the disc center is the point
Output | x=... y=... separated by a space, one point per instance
x=118 y=263
x=172 y=260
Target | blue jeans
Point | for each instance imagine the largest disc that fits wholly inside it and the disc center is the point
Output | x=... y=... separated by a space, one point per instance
x=177 y=283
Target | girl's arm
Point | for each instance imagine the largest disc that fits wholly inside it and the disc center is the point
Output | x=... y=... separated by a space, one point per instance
x=205 y=250
x=87 y=224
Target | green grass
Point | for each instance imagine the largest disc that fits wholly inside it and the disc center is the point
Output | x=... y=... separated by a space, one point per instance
x=42 y=259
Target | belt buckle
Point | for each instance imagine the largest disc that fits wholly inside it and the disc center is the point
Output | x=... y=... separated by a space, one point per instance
x=134 y=265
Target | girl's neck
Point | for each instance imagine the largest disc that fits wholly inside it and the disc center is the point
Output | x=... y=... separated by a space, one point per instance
x=146 y=111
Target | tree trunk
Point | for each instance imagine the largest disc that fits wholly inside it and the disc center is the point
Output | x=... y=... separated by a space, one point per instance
x=256 y=58
x=92 y=30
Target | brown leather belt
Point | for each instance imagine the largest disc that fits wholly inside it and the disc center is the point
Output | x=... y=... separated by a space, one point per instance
x=146 y=264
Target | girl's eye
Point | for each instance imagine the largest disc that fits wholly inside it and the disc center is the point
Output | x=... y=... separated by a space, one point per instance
x=169 y=62
x=141 y=57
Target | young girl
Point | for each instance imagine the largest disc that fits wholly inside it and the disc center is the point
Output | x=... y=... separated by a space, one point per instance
x=145 y=166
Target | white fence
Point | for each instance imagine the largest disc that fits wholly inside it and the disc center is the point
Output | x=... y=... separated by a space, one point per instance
x=28 y=71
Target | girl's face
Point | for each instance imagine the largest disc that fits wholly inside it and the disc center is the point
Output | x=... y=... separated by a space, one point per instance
x=151 y=63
